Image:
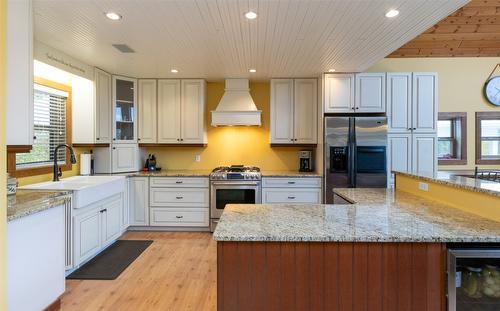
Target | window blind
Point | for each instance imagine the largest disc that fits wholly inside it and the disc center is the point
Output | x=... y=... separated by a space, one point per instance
x=49 y=127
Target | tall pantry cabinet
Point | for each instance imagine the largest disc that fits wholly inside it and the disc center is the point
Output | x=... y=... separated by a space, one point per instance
x=122 y=155
x=412 y=109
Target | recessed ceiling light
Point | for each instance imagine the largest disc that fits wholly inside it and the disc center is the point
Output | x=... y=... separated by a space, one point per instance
x=331 y=70
x=252 y=70
x=251 y=15
x=113 y=16
x=174 y=71
x=392 y=13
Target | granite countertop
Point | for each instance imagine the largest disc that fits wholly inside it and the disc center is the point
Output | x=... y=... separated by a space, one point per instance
x=289 y=174
x=28 y=202
x=378 y=215
x=169 y=173
x=450 y=179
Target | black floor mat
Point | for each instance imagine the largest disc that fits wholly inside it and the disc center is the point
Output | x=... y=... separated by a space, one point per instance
x=109 y=264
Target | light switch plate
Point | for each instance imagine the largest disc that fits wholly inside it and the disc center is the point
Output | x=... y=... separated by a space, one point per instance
x=423 y=186
x=197 y=158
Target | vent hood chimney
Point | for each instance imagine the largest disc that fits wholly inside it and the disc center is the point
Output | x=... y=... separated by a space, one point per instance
x=236 y=106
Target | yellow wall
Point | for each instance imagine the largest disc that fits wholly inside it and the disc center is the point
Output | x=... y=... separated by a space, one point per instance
x=232 y=145
x=477 y=203
x=3 y=162
x=461 y=83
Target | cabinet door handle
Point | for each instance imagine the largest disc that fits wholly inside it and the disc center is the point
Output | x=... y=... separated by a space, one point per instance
x=182 y=139
x=178 y=217
x=291 y=139
x=179 y=182
x=357 y=108
x=114 y=148
x=97 y=138
x=291 y=182
x=291 y=198
x=114 y=138
x=138 y=139
x=179 y=198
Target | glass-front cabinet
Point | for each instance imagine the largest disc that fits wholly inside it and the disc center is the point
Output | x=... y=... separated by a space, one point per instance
x=474 y=279
x=125 y=110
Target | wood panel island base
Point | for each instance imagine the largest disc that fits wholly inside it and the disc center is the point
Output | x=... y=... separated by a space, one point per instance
x=385 y=251
x=330 y=276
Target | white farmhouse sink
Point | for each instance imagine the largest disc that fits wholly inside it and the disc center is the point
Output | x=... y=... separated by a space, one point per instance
x=86 y=189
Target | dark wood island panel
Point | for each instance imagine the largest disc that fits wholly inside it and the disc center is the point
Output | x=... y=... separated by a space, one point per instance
x=331 y=276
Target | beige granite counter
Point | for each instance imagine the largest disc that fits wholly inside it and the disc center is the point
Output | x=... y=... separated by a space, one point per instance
x=378 y=215
x=449 y=179
x=293 y=174
x=28 y=202
x=169 y=173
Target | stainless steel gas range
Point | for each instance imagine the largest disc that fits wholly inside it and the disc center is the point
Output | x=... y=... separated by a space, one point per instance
x=236 y=184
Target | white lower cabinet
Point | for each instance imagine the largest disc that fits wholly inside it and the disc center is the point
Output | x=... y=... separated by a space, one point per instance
x=192 y=217
x=95 y=227
x=411 y=153
x=291 y=195
x=139 y=201
x=424 y=156
x=179 y=201
x=291 y=190
x=125 y=158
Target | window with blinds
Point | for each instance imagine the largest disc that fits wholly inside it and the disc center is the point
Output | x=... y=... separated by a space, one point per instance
x=49 y=128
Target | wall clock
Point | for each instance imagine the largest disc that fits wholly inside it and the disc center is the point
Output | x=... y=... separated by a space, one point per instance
x=492 y=88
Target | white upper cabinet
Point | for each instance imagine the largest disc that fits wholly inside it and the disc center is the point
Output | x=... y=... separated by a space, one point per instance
x=193 y=111
x=124 y=112
x=147 y=111
x=370 y=92
x=282 y=111
x=305 y=111
x=169 y=111
x=339 y=93
x=294 y=111
x=412 y=102
x=181 y=111
x=399 y=99
x=19 y=73
x=425 y=108
x=103 y=106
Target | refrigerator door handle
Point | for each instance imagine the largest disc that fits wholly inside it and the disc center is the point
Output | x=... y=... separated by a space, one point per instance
x=351 y=159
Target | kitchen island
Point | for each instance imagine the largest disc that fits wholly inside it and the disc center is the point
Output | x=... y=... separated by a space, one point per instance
x=385 y=251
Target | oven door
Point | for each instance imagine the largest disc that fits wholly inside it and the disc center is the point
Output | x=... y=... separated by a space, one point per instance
x=232 y=192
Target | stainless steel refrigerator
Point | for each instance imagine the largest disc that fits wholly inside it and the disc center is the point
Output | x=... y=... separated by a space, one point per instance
x=355 y=153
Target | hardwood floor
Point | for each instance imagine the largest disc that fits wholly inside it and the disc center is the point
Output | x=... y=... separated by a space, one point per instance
x=177 y=272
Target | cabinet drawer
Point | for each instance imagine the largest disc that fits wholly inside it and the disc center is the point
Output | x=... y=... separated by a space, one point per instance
x=186 y=197
x=277 y=195
x=189 y=217
x=179 y=182
x=273 y=182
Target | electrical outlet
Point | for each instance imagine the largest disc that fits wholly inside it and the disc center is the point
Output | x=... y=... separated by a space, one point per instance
x=423 y=186
x=197 y=158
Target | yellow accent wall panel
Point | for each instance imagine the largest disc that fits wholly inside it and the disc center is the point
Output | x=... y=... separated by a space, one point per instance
x=477 y=203
x=232 y=144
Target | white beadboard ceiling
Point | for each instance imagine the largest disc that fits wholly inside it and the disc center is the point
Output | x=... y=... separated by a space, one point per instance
x=212 y=39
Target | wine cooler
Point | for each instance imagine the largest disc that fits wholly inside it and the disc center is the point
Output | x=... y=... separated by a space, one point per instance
x=474 y=279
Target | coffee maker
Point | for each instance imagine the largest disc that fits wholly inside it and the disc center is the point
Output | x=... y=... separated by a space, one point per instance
x=306 y=161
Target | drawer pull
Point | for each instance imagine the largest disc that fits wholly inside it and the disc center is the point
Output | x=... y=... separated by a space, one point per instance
x=179 y=182
x=291 y=182
x=179 y=198
x=291 y=198
x=179 y=217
